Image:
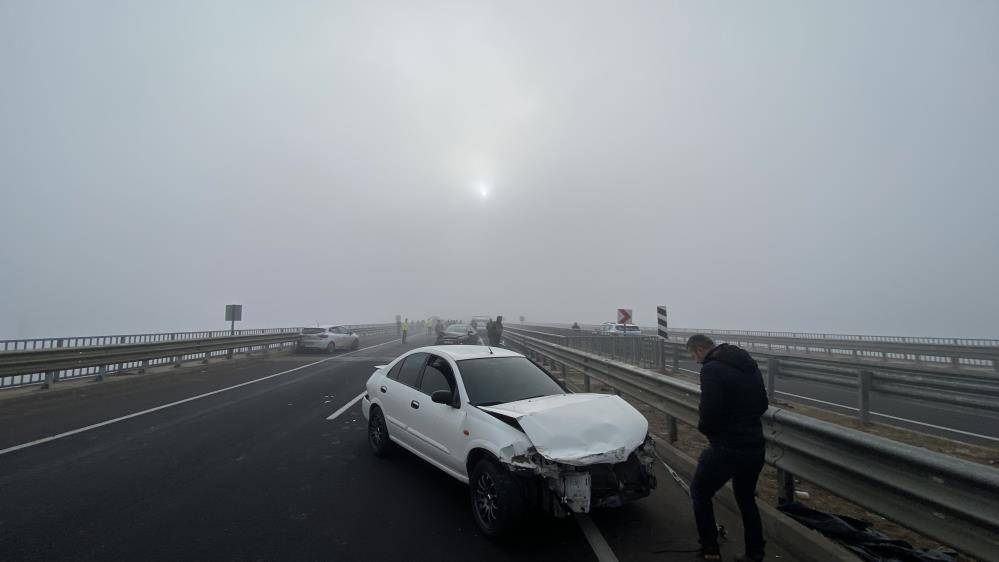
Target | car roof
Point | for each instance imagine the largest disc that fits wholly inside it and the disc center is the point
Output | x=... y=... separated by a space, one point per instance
x=462 y=352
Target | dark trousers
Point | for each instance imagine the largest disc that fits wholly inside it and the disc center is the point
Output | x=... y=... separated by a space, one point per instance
x=404 y=332
x=716 y=467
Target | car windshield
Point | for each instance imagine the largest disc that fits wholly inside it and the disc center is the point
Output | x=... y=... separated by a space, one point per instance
x=313 y=330
x=458 y=329
x=498 y=380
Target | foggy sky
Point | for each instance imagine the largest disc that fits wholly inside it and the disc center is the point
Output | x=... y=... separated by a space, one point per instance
x=822 y=166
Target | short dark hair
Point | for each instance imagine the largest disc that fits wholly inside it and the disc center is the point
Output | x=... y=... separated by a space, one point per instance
x=699 y=340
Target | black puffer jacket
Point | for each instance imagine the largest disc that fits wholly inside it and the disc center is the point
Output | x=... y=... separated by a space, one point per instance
x=732 y=399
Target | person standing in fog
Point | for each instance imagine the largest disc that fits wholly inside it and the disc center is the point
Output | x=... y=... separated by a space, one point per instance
x=733 y=399
x=494 y=330
x=405 y=329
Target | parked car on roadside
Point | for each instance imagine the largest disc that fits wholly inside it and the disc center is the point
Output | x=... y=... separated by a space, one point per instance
x=498 y=422
x=328 y=339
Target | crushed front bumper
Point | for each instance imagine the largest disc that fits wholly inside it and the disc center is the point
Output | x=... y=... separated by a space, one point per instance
x=560 y=488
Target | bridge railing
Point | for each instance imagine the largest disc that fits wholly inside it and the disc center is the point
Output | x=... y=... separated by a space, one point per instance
x=951 y=500
x=958 y=353
x=48 y=360
x=978 y=391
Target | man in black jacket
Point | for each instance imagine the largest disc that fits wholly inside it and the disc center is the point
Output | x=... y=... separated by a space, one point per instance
x=733 y=399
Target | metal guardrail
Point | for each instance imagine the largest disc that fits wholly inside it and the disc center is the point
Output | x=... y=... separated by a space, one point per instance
x=118 y=339
x=953 y=501
x=977 y=391
x=965 y=353
x=49 y=360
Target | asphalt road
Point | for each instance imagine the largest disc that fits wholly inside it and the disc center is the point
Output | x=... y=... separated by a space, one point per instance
x=942 y=420
x=238 y=461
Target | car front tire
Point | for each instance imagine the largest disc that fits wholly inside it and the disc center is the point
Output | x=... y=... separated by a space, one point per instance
x=497 y=503
x=331 y=348
x=356 y=344
x=378 y=436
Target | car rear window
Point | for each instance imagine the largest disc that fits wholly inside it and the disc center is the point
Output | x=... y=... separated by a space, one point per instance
x=497 y=380
x=313 y=330
x=632 y=329
x=411 y=368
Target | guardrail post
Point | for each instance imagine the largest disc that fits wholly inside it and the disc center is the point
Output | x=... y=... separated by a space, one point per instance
x=773 y=369
x=101 y=372
x=864 y=405
x=586 y=379
x=145 y=365
x=177 y=360
x=676 y=359
x=51 y=377
x=671 y=428
x=785 y=487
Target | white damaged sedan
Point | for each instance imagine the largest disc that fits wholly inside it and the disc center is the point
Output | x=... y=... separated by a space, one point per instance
x=498 y=422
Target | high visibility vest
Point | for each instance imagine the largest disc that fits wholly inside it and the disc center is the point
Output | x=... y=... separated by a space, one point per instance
x=405 y=326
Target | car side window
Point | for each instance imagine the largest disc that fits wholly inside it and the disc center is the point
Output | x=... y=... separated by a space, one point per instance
x=394 y=372
x=411 y=369
x=437 y=376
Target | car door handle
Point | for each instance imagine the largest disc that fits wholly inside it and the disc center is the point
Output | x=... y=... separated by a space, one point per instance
x=383 y=389
x=415 y=405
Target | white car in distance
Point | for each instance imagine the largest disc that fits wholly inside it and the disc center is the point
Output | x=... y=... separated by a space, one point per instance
x=612 y=329
x=493 y=419
x=328 y=339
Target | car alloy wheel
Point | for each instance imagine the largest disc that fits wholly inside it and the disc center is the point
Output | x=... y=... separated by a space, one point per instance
x=331 y=347
x=378 y=433
x=356 y=344
x=497 y=502
x=486 y=504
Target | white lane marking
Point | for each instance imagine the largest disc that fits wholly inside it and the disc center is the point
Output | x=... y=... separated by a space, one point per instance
x=596 y=540
x=347 y=406
x=889 y=416
x=171 y=404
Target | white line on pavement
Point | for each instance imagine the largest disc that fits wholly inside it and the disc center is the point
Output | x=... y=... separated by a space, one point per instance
x=889 y=416
x=347 y=406
x=172 y=404
x=596 y=540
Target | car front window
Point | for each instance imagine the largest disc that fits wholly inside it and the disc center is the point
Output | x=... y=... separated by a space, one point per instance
x=498 y=380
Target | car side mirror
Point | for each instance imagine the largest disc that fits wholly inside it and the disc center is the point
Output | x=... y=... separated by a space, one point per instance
x=442 y=397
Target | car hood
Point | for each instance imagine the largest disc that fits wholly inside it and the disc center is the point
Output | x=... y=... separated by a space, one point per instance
x=578 y=429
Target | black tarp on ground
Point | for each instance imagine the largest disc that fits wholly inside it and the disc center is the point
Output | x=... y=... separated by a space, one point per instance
x=863 y=540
